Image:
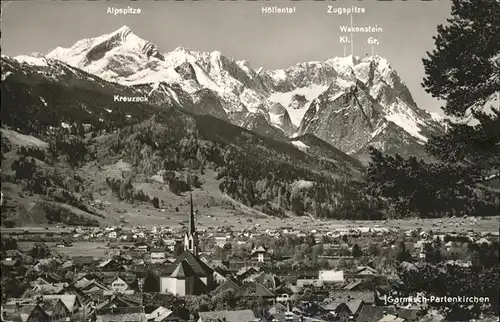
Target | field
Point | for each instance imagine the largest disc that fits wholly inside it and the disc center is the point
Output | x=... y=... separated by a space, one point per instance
x=450 y=225
x=99 y=249
x=216 y=209
x=95 y=249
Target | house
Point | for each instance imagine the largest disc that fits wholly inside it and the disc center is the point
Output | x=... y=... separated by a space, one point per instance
x=72 y=290
x=220 y=275
x=89 y=287
x=483 y=241
x=331 y=276
x=68 y=265
x=229 y=284
x=170 y=244
x=245 y=272
x=10 y=264
x=365 y=273
x=45 y=289
x=220 y=241
x=135 y=314
x=260 y=254
x=353 y=301
x=255 y=289
x=338 y=309
x=268 y=280
x=250 y=289
x=353 y=285
x=157 y=256
x=233 y=316
x=371 y=314
x=25 y=313
x=70 y=304
x=302 y=282
x=391 y=318
x=48 y=278
x=120 y=301
x=162 y=314
x=142 y=248
x=60 y=307
x=355 y=306
x=110 y=265
x=119 y=285
x=309 y=309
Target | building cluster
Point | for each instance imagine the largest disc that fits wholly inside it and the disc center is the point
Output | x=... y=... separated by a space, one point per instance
x=118 y=288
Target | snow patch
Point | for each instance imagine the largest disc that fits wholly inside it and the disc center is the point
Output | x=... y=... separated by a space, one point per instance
x=301 y=184
x=379 y=130
x=437 y=117
x=300 y=145
x=5 y=75
x=275 y=118
x=278 y=75
x=310 y=93
x=174 y=95
x=34 y=61
x=408 y=124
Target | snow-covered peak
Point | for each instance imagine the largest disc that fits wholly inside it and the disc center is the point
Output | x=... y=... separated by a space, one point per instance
x=120 y=47
x=284 y=96
x=30 y=60
x=182 y=49
x=122 y=30
x=343 y=61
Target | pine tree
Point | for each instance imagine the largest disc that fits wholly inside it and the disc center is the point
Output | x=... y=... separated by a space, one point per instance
x=356 y=251
x=463 y=70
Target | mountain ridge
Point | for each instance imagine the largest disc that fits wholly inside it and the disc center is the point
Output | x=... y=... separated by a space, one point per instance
x=72 y=155
x=241 y=93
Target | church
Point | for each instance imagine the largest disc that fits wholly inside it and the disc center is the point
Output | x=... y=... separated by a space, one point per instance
x=188 y=275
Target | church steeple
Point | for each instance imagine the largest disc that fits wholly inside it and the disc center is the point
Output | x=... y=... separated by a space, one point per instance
x=191 y=237
x=192 y=228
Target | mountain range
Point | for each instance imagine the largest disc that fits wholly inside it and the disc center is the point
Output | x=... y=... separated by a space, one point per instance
x=349 y=102
x=279 y=142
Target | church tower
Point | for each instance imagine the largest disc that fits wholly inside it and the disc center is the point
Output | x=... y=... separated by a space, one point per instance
x=191 y=238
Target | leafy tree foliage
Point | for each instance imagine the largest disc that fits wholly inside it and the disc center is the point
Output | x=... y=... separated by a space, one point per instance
x=9 y=243
x=40 y=251
x=403 y=253
x=356 y=251
x=440 y=281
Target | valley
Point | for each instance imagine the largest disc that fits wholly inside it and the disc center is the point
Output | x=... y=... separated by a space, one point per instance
x=110 y=131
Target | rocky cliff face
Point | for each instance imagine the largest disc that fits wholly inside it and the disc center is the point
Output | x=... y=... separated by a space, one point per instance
x=370 y=106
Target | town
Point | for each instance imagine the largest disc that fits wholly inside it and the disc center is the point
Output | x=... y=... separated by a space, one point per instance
x=221 y=274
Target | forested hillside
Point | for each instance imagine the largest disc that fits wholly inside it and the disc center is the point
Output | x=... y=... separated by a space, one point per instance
x=58 y=138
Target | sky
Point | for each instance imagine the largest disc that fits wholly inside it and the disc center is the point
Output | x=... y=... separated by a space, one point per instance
x=240 y=30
